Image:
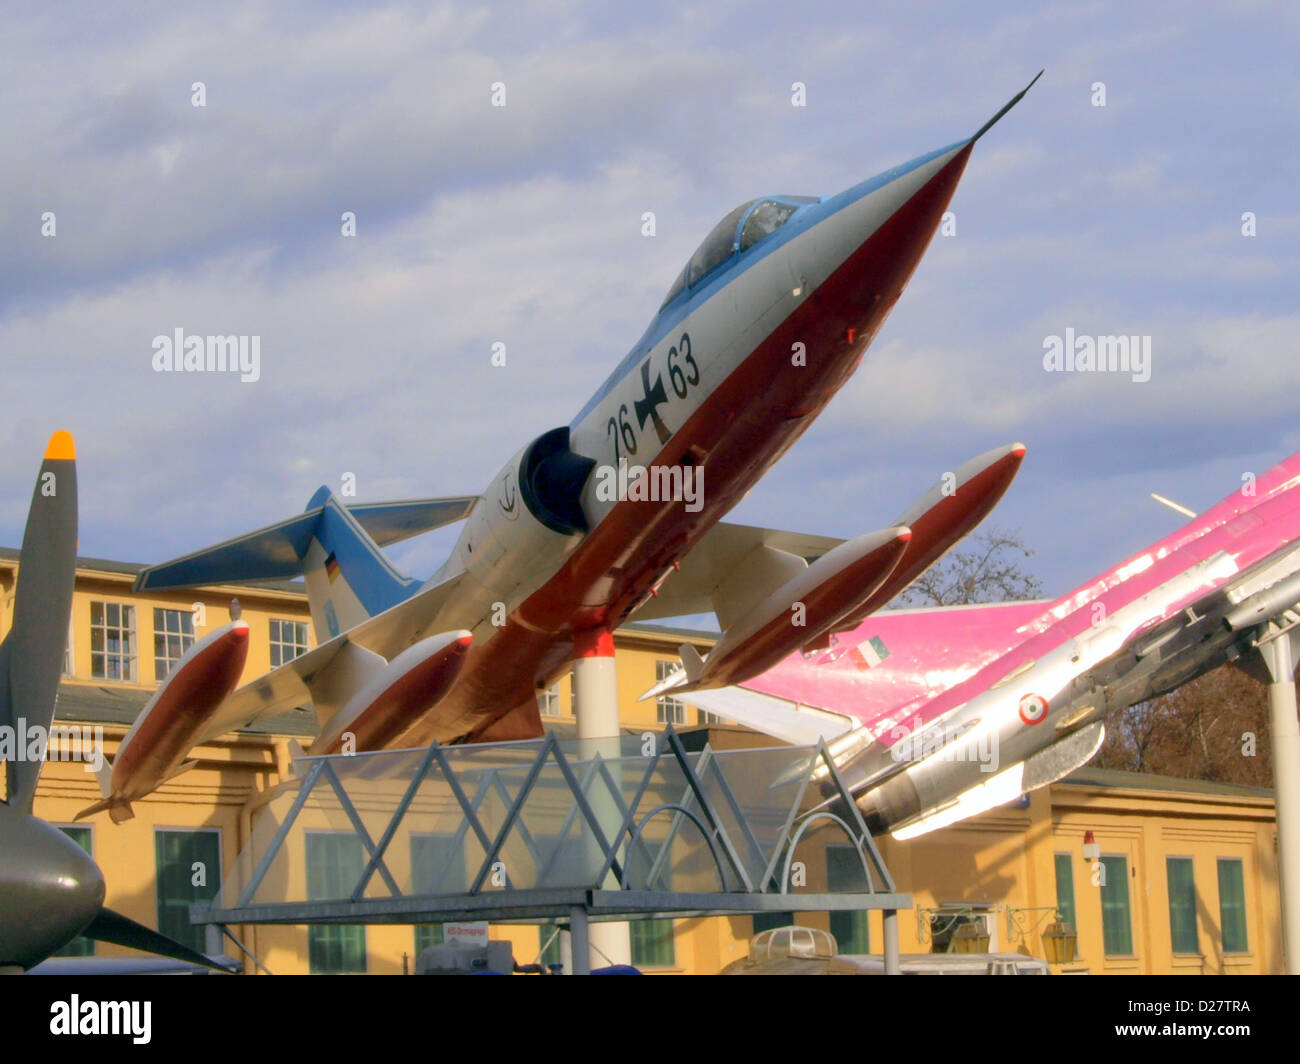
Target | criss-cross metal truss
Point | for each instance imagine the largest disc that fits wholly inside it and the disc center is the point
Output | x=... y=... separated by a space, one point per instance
x=622 y=867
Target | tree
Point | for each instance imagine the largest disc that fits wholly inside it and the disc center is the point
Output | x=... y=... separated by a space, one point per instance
x=989 y=568
x=1215 y=727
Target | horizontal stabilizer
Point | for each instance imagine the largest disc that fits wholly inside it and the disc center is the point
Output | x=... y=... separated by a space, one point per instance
x=392 y=522
x=276 y=551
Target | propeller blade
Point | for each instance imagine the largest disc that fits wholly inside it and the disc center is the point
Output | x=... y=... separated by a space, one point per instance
x=110 y=926
x=32 y=657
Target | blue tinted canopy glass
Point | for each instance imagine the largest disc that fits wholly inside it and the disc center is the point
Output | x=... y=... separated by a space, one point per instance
x=742 y=228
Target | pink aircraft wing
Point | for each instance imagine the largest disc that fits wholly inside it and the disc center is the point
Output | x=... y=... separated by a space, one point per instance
x=890 y=663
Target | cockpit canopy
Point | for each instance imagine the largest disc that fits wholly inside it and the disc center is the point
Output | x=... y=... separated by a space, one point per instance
x=740 y=230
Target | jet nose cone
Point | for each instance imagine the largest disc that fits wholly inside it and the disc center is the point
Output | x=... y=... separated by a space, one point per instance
x=892 y=218
x=50 y=889
x=873 y=235
x=865 y=248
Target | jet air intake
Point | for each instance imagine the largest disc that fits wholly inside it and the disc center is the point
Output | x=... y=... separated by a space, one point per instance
x=550 y=480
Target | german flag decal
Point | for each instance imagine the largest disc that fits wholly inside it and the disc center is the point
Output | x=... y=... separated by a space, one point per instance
x=331 y=567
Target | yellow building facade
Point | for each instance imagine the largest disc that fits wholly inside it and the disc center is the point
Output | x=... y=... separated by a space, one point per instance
x=1184 y=878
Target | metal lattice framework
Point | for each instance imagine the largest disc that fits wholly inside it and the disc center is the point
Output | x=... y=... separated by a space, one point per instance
x=626 y=818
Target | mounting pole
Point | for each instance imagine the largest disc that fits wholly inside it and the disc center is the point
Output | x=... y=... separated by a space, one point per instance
x=893 y=960
x=1275 y=648
x=595 y=704
x=579 y=931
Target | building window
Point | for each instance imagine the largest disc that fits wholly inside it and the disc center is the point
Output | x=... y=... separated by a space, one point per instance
x=112 y=641
x=1232 y=905
x=844 y=874
x=1065 y=890
x=710 y=718
x=68 y=658
x=1182 y=905
x=334 y=865
x=173 y=634
x=668 y=710
x=187 y=869
x=81 y=946
x=1116 y=923
x=767 y=921
x=436 y=868
x=652 y=943
x=288 y=641
x=548 y=702
x=550 y=946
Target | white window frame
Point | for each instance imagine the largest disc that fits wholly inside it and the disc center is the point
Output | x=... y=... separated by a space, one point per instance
x=133 y=659
x=668 y=710
x=548 y=702
x=187 y=639
x=272 y=642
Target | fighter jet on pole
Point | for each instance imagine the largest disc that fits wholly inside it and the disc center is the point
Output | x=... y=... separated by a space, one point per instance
x=935 y=715
x=619 y=512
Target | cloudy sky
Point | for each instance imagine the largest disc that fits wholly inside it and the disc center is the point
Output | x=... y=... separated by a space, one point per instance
x=522 y=225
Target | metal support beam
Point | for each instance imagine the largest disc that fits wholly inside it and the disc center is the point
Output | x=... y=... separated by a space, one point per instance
x=1275 y=648
x=273 y=849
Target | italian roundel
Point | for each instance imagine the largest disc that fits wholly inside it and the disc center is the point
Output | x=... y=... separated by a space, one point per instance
x=1033 y=708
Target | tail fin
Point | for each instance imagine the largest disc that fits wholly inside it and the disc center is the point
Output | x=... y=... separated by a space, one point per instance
x=348 y=578
x=347 y=575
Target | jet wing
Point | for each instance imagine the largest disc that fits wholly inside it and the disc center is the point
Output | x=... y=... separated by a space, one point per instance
x=725 y=550
x=749 y=577
x=312 y=677
x=890 y=665
x=777 y=717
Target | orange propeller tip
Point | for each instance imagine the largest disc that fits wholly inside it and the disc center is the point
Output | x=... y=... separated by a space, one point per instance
x=61 y=447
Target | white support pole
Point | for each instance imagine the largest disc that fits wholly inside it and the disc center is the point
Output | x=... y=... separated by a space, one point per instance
x=595 y=694
x=579 y=930
x=893 y=965
x=1286 y=786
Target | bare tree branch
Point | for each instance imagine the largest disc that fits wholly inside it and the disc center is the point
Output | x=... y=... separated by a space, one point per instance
x=989 y=569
